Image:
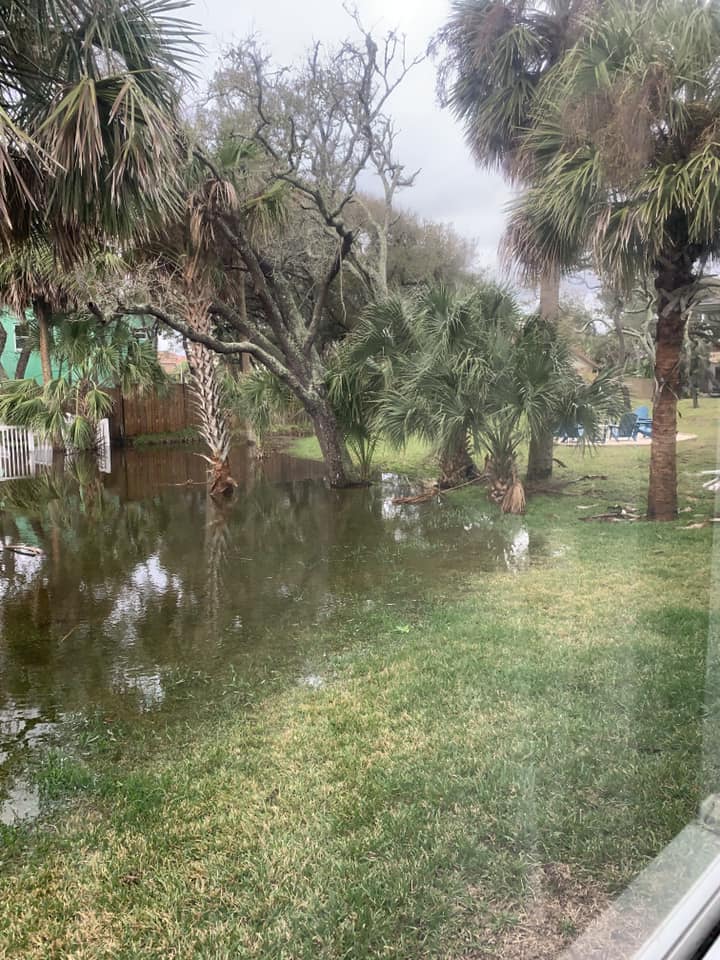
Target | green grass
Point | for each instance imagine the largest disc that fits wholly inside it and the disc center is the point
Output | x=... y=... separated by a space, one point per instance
x=510 y=735
x=186 y=435
x=414 y=460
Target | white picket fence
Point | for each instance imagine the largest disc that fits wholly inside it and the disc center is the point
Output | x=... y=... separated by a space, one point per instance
x=25 y=454
x=21 y=453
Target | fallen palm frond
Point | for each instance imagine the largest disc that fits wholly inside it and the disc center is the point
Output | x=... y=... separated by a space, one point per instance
x=420 y=497
x=437 y=491
x=557 y=487
x=615 y=515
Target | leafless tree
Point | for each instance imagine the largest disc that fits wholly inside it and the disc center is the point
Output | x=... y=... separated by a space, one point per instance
x=269 y=209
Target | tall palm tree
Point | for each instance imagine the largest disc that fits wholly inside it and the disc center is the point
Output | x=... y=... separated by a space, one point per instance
x=626 y=155
x=206 y=390
x=499 y=54
x=89 y=92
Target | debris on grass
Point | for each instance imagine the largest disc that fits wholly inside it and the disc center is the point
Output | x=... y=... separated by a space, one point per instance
x=616 y=514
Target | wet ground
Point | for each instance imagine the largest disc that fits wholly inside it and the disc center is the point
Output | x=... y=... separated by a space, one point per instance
x=138 y=585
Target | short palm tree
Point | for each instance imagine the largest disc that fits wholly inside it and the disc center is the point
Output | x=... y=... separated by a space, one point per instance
x=428 y=357
x=499 y=54
x=463 y=369
x=627 y=165
x=264 y=403
x=92 y=357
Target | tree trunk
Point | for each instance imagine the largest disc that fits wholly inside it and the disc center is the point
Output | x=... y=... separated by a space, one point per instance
x=221 y=483
x=622 y=347
x=3 y=343
x=674 y=273
x=540 y=456
x=332 y=443
x=42 y=312
x=205 y=392
x=22 y=363
x=550 y=295
x=456 y=467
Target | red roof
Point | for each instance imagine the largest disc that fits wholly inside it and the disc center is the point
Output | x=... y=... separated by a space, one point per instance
x=170 y=361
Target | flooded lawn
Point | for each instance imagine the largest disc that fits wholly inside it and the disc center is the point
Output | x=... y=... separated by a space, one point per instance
x=143 y=586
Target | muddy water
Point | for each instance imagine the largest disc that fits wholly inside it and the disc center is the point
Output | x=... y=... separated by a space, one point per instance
x=143 y=585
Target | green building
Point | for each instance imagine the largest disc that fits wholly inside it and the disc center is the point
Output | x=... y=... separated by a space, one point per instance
x=16 y=338
x=16 y=347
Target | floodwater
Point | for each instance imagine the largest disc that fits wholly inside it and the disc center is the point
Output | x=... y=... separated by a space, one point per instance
x=141 y=585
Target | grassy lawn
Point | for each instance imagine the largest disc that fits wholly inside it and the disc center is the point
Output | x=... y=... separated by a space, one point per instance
x=414 y=460
x=475 y=777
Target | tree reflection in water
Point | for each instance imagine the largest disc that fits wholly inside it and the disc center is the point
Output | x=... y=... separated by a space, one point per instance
x=145 y=582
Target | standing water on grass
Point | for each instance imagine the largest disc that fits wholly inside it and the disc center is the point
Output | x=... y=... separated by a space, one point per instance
x=136 y=587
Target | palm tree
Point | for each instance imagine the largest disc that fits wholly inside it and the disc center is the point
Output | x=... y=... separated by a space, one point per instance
x=32 y=277
x=627 y=165
x=206 y=390
x=499 y=54
x=88 y=102
x=424 y=356
x=28 y=278
x=92 y=357
x=264 y=403
x=457 y=369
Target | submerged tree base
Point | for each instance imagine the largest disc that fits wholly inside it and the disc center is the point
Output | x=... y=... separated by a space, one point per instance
x=221 y=483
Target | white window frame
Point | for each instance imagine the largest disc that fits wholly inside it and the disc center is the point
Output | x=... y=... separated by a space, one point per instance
x=20 y=323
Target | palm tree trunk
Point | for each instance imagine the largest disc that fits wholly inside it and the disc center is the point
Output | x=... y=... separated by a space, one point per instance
x=456 y=466
x=3 y=344
x=540 y=456
x=205 y=390
x=675 y=273
x=42 y=311
x=22 y=363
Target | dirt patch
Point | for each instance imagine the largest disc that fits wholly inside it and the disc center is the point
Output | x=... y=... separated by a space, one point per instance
x=560 y=906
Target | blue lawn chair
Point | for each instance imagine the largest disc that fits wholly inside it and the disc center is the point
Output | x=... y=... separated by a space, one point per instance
x=627 y=428
x=644 y=421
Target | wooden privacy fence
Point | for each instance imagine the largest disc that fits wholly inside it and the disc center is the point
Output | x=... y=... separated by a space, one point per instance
x=135 y=415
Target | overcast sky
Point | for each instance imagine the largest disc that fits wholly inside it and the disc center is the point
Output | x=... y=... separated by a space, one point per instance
x=450 y=186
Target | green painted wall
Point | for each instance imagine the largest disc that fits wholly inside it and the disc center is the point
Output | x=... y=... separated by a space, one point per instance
x=10 y=355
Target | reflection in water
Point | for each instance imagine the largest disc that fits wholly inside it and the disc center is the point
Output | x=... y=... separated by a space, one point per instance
x=21 y=802
x=144 y=582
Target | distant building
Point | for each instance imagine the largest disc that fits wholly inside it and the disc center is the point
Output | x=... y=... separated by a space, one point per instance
x=173 y=364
